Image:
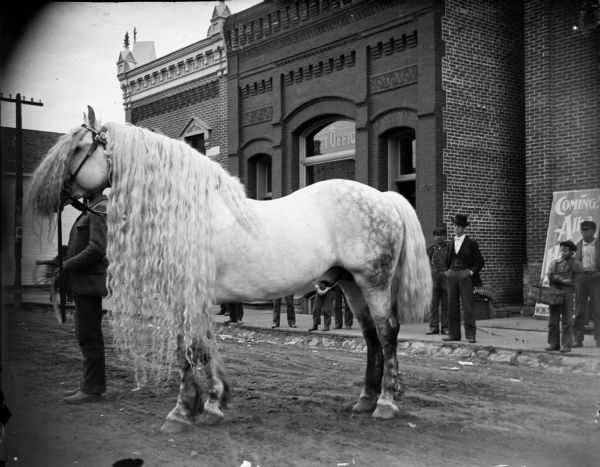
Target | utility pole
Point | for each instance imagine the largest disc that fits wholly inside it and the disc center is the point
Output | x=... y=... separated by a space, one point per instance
x=18 y=232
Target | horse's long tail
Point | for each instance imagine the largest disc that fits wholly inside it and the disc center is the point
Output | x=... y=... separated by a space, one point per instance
x=411 y=288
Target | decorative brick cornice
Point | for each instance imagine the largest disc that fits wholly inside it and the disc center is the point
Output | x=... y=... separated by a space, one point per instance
x=394 y=45
x=263 y=35
x=252 y=117
x=176 y=101
x=318 y=51
x=394 y=79
x=258 y=87
x=320 y=68
x=193 y=62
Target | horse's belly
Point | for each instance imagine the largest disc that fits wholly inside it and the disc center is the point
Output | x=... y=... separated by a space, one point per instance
x=270 y=268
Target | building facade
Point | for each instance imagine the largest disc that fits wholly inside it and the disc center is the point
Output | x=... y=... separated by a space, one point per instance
x=562 y=117
x=183 y=94
x=432 y=92
x=477 y=107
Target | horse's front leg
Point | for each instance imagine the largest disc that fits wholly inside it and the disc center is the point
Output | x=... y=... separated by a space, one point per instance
x=189 y=399
x=218 y=389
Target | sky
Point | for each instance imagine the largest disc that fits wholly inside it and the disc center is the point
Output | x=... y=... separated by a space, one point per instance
x=67 y=58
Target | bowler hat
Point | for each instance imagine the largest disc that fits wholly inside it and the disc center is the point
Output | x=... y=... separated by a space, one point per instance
x=569 y=244
x=588 y=225
x=461 y=219
x=439 y=231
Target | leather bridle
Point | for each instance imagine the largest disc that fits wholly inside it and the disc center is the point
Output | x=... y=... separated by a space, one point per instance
x=99 y=139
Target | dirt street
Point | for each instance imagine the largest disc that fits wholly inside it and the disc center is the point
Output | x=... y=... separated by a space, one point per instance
x=291 y=407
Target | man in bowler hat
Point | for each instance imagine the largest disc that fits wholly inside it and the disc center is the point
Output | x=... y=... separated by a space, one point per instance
x=438 y=256
x=587 y=287
x=464 y=263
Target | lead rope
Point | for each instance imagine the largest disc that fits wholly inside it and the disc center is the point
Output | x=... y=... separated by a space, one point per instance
x=61 y=277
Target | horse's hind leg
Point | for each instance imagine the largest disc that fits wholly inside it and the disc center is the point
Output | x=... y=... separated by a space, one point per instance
x=386 y=322
x=367 y=401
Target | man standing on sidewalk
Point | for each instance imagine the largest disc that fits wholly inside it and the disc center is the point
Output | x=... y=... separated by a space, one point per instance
x=342 y=313
x=289 y=308
x=438 y=256
x=587 y=287
x=464 y=263
x=323 y=304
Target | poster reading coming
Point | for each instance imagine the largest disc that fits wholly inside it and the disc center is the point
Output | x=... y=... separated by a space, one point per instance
x=569 y=209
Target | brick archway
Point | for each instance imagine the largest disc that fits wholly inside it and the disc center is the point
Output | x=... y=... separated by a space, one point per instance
x=378 y=143
x=297 y=121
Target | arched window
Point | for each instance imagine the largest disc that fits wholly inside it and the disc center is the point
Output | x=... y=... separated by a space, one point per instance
x=260 y=177
x=402 y=163
x=264 y=175
x=327 y=150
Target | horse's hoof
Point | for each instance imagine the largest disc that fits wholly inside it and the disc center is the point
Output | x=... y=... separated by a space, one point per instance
x=385 y=411
x=212 y=418
x=172 y=427
x=364 y=405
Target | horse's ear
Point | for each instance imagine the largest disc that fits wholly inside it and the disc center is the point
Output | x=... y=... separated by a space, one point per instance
x=91 y=116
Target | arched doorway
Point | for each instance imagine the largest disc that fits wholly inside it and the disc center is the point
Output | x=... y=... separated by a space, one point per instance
x=402 y=163
x=260 y=177
x=327 y=150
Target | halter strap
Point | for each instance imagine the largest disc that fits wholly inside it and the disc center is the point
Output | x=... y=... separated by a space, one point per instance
x=99 y=138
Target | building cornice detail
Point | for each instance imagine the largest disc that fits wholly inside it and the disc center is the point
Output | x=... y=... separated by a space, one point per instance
x=263 y=35
x=176 y=100
x=393 y=79
x=198 y=60
x=252 y=117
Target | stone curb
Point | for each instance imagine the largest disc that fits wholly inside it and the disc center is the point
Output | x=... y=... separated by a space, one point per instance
x=470 y=352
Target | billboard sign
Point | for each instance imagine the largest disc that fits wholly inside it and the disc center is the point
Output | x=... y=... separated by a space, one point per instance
x=569 y=209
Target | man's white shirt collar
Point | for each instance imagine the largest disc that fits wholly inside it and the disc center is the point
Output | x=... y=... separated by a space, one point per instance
x=458 y=241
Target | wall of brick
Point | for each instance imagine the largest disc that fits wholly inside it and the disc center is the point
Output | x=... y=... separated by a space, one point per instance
x=484 y=162
x=171 y=111
x=308 y=70
x=562 y=120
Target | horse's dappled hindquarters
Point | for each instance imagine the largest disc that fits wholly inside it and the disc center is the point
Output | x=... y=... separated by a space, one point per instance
x=182 y=235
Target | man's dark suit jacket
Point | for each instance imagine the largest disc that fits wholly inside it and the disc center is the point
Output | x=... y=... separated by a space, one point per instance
x=86 y=253
x=472 y=256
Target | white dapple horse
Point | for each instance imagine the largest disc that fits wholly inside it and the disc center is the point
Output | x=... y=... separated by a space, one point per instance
x=182 y=235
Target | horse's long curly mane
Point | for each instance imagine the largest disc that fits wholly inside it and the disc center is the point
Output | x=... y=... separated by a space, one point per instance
x=161 y=271
x=43 y=195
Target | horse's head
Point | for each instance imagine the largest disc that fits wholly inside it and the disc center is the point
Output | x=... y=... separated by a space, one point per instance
x=88 y=168
x=77 y=165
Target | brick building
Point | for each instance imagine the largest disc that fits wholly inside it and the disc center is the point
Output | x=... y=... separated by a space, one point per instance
x=183 y=94
x=562 y=109
x=479 y=107
x=434 y=90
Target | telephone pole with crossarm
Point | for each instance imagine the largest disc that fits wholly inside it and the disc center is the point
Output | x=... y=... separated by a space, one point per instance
x=18 y=231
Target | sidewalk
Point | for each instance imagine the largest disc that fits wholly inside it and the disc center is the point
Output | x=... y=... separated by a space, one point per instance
x=514 y=340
